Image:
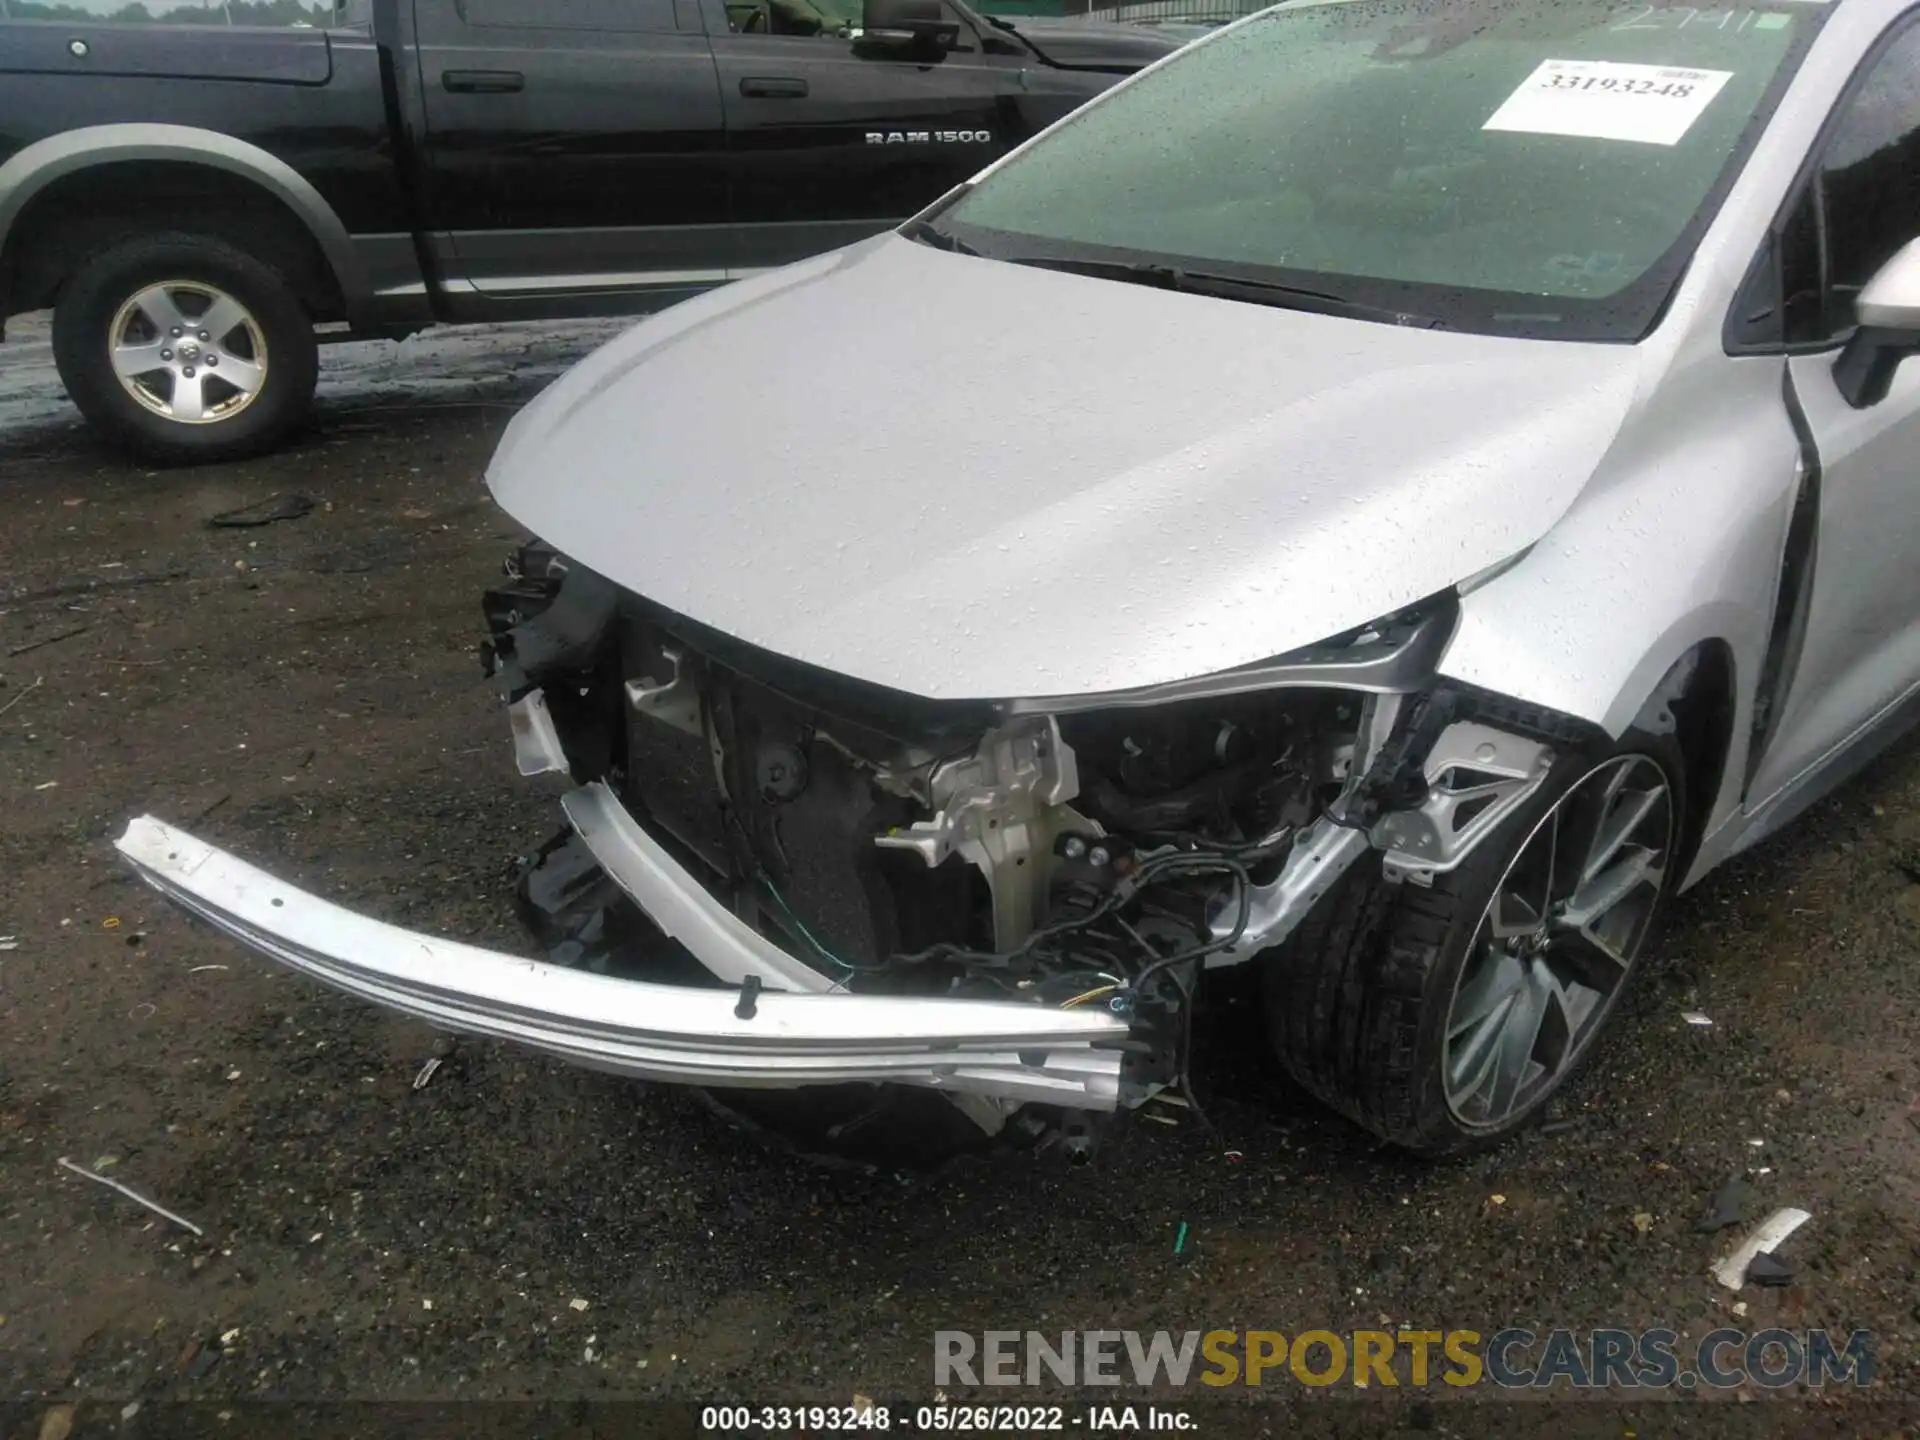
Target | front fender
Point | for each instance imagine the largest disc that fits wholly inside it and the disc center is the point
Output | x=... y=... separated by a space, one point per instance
x=1676 y=543
x=39 y=165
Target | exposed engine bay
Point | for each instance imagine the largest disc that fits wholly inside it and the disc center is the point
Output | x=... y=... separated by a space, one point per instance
x=1100 y=857
x=822 y=903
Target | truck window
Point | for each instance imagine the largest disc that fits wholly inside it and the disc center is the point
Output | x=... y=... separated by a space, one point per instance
x=629 y=15
x=839 y=18
x=791 y=17
x=316 y=13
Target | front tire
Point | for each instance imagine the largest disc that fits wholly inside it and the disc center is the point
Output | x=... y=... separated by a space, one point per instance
x=185 y=350
x=1445 y=1018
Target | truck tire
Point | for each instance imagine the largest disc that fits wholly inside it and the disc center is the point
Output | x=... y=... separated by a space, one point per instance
x=1444 y=1019
x=185 y=350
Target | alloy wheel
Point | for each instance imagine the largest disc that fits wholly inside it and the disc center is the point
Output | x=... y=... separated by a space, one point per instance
x=1555 y=944
x=188 y=351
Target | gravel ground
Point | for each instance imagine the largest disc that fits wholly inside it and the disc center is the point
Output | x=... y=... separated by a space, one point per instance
x=308 y=695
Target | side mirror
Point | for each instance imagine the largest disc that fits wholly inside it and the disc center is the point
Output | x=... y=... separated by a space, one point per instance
x=907 y=29
x=1888 y=310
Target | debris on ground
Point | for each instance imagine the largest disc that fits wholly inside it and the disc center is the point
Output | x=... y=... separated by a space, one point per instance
x=132 y=1195
x=1770 y=1270
x=267 y=512
x=23 y=694
x=1731 y=1270
x=1698 y=1017
x=42 y=644
x=1728 y=1206
x=1643 y=1222
x=425 y=1077
x=9 y=942
x=1180 y=1240
x=577 y=1304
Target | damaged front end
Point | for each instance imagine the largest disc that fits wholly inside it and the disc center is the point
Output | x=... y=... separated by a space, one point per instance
x=1078 y=855
x=778 y=878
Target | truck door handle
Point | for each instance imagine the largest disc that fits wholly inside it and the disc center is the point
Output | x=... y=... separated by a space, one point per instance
x=773 y=87
x=483 y=82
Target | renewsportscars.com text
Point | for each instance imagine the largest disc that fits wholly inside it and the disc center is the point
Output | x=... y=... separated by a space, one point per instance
x=1510 y=1358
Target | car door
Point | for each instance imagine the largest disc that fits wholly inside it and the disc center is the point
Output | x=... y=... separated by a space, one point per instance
x=829 y=142
x=1859 y=656
x=574 y=149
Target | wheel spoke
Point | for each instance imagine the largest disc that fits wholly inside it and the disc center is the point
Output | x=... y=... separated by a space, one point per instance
x=1633 y=813
x=162 y=313
x=1547 y=890
x=1514 y=1065
x=223 y=317
x=1598 y=897
x=189 y=398
x=1520 y=905
x=1557 y=940
x=1512 y=916
x=1584 y=975
x=1494 y=980
x=132 y=360
x=242 y=375
x=1471 y=1065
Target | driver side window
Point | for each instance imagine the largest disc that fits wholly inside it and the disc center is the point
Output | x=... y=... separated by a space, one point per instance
x=785 y=17
x=807 y=18
x=1863 y=201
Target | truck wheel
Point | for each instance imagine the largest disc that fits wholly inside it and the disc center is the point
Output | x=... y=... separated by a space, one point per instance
x=185 y=350
x=1443 y=1019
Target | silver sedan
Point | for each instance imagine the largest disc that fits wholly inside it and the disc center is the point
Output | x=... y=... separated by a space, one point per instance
x=1384 y=498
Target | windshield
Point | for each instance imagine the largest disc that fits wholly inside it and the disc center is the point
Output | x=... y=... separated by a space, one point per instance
x=1516 y=168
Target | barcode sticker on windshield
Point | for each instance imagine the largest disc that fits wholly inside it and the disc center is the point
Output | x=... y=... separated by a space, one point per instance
x=1602 y=100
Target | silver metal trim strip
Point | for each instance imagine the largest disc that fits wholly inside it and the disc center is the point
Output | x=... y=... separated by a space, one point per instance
x=659 y=1032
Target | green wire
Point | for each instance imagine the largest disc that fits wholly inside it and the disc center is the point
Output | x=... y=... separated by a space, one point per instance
x=801 y=926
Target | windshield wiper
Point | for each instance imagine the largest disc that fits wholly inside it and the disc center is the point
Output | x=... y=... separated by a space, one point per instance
x=1229 y=287
x=927 y=233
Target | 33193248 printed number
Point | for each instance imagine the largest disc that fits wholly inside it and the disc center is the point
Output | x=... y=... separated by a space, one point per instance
x=792 y=1419
x=1672 y=89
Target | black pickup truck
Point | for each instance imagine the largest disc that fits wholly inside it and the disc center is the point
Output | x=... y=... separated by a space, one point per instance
x=203 y=203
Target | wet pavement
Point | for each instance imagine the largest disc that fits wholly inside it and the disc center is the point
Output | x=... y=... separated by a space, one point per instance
x=307 y=693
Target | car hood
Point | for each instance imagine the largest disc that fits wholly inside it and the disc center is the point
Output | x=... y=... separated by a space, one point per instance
x=1076 y=44
x=968 y=479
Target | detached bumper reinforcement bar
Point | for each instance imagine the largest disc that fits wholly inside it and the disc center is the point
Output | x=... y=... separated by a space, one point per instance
x=1008 y=1050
